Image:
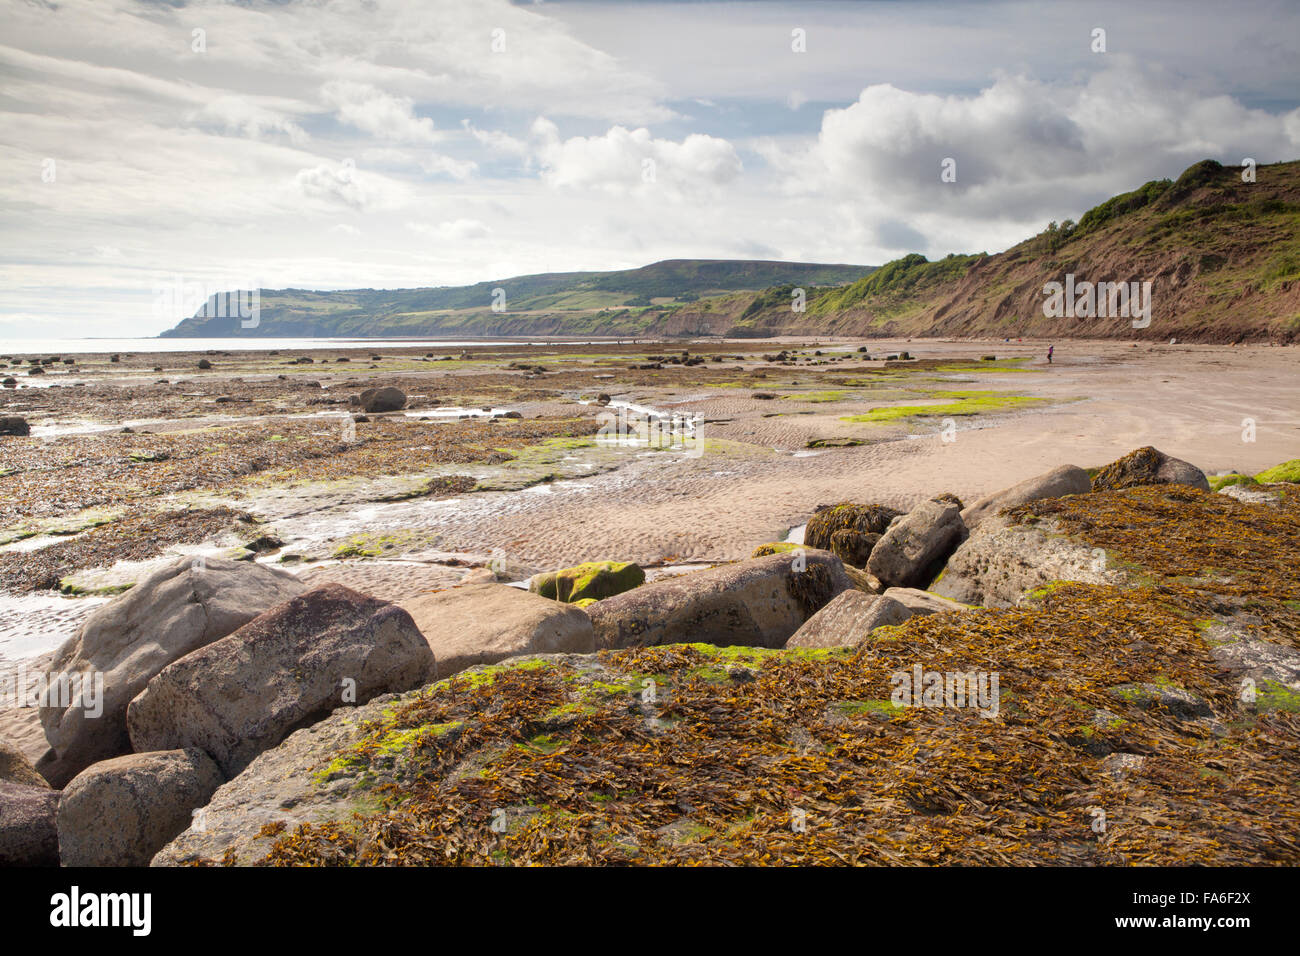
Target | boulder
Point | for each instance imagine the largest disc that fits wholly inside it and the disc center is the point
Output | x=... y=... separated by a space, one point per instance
x=16 y=768
x=386 y=399
x=14 y=425
x=29 y=833
x=851 y=616
x=288 y=668
x=923 y=602
x=594 y=580
x=179 y=608
x=848 y=619
x=486 y=623
x=865 y=519
x=1148 y=466
x=760 y=602
x=1000 y=562
x=1065 y=480
x=121 y=812
x=912 y=549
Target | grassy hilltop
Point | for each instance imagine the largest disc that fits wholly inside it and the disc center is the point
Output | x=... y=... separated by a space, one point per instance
x=553 y=303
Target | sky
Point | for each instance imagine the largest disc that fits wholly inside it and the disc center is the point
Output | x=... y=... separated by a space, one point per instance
x=330 y=144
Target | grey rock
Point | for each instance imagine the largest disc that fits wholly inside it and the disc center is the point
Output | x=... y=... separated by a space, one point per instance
x=28 y=825
x=1000 y=562
x=120 y=812
x=288 y=668
x=179 y=608
x=923 y=602
x=912 y=547
x=848 y=619
x=1057 y=483
x=760 y=603
x=386 y=399
x=486 y=622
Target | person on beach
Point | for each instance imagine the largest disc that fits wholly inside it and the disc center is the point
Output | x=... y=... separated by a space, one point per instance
x=1050 y=349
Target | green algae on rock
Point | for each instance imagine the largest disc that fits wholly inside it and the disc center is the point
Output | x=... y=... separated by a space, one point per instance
x=591 y=581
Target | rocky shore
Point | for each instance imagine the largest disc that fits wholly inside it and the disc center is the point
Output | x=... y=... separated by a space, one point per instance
x=1093 y=666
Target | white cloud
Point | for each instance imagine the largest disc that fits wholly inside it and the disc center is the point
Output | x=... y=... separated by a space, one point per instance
x=335 y=185
x=1023 y=149
x=455 y=230
x=623 y=162
x=371 y=110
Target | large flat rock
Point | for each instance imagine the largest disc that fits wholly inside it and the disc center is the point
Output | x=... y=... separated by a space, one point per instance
x=759 y=603
x=486 y=623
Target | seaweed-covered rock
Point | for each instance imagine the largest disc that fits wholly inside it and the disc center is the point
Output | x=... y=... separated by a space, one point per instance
x=760 y=602
x=14 y=425
x=912 y=550
x=486 y=623
x=594 y=580
x=285 y=785
x=289 y=667
x=853 y=547
x=1065 y=480
x=121 y=812
x=385 y=399
x=1148 y=466
x=180 y=608
x=1181 y=703
x=864 y=519
x=28 y=829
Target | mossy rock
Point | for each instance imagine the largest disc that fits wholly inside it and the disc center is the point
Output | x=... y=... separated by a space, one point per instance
x=1287 y=471
x=775 y=547
x=847 y=516
x=1226 y=481
x=588 y=582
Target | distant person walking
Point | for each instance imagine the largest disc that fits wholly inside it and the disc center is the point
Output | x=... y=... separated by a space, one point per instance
x=1050 y=349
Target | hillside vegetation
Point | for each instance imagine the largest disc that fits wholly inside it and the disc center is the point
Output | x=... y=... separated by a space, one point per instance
x=1222 y=257
x=558 y=303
